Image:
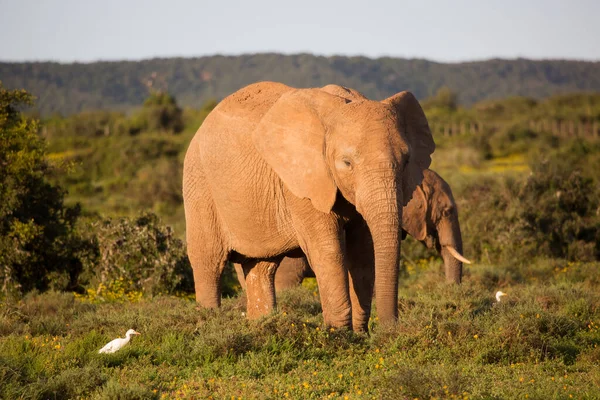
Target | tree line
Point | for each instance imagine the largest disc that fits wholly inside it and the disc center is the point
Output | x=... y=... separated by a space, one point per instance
x=122 y=85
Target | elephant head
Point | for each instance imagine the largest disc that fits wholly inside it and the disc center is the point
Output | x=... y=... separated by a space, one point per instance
x=372 y=153
x=432 y=218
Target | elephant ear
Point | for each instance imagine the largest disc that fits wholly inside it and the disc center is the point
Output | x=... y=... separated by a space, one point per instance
x=413 y=126
x=414 y=215
x=291 y=139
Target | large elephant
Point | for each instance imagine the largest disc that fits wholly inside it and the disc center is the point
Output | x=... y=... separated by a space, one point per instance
x=275 y=170
x=430 y=216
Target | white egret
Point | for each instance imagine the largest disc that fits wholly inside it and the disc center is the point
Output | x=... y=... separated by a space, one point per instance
x=118 y=343
x=499 y=294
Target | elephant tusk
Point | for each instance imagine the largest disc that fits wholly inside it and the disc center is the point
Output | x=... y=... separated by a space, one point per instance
x=457 y=255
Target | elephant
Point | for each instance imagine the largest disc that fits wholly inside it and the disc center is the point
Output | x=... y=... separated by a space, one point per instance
x=431 y=217
x=318 y=171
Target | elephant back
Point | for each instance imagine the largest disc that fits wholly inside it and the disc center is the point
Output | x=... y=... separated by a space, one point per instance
x=252 y=102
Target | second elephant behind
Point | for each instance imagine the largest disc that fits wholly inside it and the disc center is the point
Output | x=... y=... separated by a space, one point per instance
x=430 y=217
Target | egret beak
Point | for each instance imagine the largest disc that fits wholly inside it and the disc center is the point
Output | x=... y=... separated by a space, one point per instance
x=136 y=333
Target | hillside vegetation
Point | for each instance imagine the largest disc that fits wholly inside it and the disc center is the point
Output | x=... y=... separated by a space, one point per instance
x=90 y=246
x=121 y=85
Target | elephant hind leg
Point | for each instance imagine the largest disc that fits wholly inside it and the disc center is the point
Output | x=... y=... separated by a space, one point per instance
x=207 y=281
x=208 y=259
x=260 y=286
x=206 y=251
x=291 y=273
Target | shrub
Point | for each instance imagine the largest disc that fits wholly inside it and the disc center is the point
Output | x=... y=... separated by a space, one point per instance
x=559 y=213
x=444 y=98
x=551 y=213
x=39 y=246
x=141 y=253
x=512 y=139
x=159 y=113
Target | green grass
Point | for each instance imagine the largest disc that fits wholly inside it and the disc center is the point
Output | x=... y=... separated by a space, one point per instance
x=450 y=342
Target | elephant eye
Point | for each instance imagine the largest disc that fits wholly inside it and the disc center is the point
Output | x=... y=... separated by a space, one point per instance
x=347 y=163
x=343 y=164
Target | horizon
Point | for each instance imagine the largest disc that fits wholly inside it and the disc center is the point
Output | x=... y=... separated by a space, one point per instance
x=190 y=57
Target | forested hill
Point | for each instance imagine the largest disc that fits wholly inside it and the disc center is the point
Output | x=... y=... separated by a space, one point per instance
x=70 y=88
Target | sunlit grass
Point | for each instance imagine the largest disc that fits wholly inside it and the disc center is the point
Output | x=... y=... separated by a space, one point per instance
x=513 y=164
x=450 y=342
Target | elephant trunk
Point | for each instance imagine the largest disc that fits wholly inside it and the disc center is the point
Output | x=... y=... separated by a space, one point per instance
x=382 y=212
x=450 y=241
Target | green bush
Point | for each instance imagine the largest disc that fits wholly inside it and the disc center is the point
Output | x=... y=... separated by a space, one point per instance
x=39 y=246
x=510 y=140
x=159 y=113
x=142 y=253
x=444 y=98
x=554 y=212
x=560 y=213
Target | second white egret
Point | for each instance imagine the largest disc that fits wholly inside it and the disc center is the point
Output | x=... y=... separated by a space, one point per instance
x=499 y=294
x=118 y=343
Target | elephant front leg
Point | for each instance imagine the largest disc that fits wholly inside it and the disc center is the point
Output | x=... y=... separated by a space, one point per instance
x=321 y=238
x=260 y=287
x=332 y=279
x=361 y=268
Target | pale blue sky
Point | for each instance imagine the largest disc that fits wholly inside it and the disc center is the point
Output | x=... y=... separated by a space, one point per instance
x=458 y=30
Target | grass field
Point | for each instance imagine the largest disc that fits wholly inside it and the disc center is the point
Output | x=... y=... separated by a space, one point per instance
x=451 y=342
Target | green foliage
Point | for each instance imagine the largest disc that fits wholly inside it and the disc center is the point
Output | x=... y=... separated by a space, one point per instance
x=560 y=213
x=118 y=176
x=500 y=108
x=72 y=88
x=552 y=213
x=444 y=98
x=39 y=247
x=142 y=254
x=510 y=140
x=159 y=113
x=88 y=124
